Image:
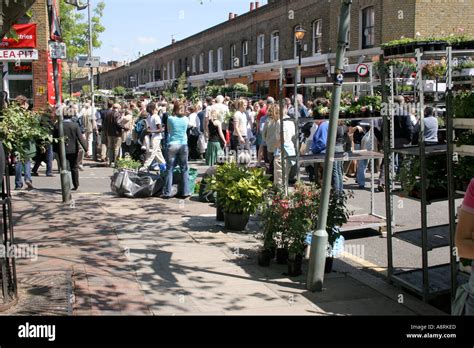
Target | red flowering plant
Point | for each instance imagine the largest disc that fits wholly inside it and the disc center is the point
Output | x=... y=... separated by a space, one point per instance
x=288 y=218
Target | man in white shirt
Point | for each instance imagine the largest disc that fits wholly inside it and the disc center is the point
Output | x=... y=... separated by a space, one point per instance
x=155 y=129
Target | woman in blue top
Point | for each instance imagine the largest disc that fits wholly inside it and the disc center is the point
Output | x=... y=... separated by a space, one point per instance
x=177 y=126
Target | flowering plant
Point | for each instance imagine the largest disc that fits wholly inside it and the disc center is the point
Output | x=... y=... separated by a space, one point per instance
x=288 y=218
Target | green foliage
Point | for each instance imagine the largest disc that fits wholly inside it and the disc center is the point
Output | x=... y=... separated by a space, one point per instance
x=240 y=87
x=19 y=128
x=465 y=138
x=181 y=86
x=464 y=105
x=435 y=70
x=436 y=173
x=213 y=91
x=119 y=90
x=288 y=218
x=128 y=163
x=463 y=172
x=75 y=29
x=86 y=89
x=239 y=190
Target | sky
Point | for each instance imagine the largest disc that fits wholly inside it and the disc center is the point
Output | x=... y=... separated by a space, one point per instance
x=136 y=27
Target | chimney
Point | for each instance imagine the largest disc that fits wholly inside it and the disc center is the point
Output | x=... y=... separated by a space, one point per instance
x=173 y=41
x=252 y=6
x=257 y=4
x=235 y=15
x=231 y=15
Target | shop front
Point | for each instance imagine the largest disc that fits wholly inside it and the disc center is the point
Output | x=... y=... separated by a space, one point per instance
x=16 y=60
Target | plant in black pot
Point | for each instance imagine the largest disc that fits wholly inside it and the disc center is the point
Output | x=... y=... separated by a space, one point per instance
x=225 y=175
x=240 y=191
x=302 y=213
x=272 y=214
x=338 y=215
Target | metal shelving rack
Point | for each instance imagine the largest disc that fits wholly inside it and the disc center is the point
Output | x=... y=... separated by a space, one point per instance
x=356 y=222
x=428 y=282
x=8 y=286
x=455 y=80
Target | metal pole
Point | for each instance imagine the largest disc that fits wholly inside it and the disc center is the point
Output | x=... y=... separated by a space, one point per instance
x=89 y=8
x=320 y=237
x=387 y=146
x=297 y=113
x=284 y=162
x=70 y=80
x=64 y=174
x=450 y=159
x=424 y=179
x=65 y=184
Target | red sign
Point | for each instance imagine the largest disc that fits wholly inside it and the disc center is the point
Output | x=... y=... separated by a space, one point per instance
x=51 y=89
x=26 y=37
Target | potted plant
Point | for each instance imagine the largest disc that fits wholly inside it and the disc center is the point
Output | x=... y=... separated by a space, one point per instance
x=240 y=192
x=302 y=213
x=466 y=68
x=436 y=173
x=272 y=219
x=218 y=183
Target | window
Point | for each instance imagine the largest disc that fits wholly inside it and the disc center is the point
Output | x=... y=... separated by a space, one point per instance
x=220 y=59
x=261 y=49
x=193 y=64
x=211 y=61
x=317 y=37
x=275 y=47
x=168 y=72
x=245 y=53
x=201 y=62
x=368 y=27
x=173 y=70
x=233 y=62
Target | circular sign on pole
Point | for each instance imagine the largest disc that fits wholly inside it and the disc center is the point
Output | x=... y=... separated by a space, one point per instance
x=362 y=70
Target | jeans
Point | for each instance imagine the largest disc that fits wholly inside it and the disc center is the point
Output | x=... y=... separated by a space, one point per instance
x=361 y=167
x=48 y=158
x=337 y=173
x=19 y=165
x=177 y=155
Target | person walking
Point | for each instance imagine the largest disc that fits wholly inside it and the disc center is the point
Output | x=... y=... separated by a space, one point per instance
x=46 y=155
x=73 y=137
x=217 y=141
x=113 y=131
x=178 y=151
x=193 y=133
x=101 y=127
x=155 y=131
x=128 y=124
x=271 y=135
x=90 y=126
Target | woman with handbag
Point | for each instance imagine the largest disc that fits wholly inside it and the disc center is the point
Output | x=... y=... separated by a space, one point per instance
x=217 y=139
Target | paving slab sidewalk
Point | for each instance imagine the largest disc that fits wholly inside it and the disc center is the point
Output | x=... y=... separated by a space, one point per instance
x=156 y=257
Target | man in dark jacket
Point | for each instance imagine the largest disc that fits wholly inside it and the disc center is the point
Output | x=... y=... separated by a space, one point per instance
x=103 y=136
x=113 y=130
x=403 y=127
x=73 y=137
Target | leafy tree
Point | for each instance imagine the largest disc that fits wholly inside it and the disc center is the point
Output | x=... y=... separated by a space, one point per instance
x=75 y=28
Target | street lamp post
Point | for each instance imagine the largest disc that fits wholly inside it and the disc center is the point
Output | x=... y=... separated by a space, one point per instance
x=70 y=63
x=299 y=36
x=319 y=241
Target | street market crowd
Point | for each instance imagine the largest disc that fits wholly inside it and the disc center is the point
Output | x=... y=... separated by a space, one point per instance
x=163 y=134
